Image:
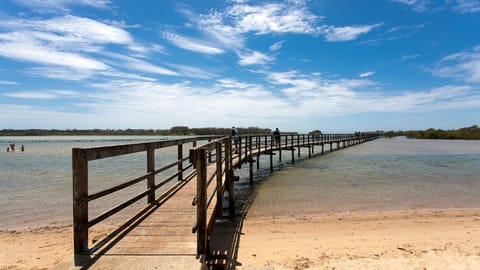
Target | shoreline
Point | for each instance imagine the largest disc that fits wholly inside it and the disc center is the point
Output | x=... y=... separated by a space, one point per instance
x=403 y=239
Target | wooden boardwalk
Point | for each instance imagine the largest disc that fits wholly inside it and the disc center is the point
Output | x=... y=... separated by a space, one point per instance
x=173 y=231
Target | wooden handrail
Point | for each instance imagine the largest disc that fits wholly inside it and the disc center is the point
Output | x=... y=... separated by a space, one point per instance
x=221 y=178
x=80 y=171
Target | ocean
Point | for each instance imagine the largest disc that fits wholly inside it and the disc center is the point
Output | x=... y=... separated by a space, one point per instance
x=381 y=175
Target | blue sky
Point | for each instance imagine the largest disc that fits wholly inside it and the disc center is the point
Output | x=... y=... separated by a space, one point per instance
x=333 y=65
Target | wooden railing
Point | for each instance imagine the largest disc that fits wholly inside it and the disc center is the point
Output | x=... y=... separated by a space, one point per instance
x=213 y=163
x=231 y=153
x=81 y=197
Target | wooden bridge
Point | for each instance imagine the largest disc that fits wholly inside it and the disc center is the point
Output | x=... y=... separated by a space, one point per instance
x=176 y=225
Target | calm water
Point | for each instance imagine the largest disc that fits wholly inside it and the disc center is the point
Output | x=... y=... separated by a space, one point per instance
x=36 y=185
x=386 y=174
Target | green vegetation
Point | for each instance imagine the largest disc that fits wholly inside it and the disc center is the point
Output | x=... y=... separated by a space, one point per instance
x=467 y=133
x=178 y=130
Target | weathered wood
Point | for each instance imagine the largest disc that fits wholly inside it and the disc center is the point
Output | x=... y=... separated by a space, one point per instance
x=116 y=188
x=208 y=197
x=151 y=175
x=250 y=163
x=201 y=165
x=80 y=205
x=180 y=161
x=271 y=156
x=219 y=173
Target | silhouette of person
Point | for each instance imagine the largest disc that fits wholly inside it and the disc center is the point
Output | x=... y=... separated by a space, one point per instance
x=276 y=136
x=235 y=136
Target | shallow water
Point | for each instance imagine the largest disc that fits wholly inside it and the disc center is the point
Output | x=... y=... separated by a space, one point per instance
x=382 y=175
x=386 y=174
x=36 y=185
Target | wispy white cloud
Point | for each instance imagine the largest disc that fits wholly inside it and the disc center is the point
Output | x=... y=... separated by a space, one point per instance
x=121 y=103
x=462 y=6
x=123 y=61
x=366 y=74
x=8 y=82
x=276 y=46
x=23 y=48
x=395 y=33
x=62 y=41
x=467 y=6
x=409 y=57
x=193 y=72
x=463 y=65
x=346 y=33
x=253 y=58
x=50 y=6
x=417 y=5
x=31 y=95
x=191 y=44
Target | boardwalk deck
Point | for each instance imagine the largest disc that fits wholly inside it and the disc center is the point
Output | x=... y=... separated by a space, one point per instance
x=173 y=231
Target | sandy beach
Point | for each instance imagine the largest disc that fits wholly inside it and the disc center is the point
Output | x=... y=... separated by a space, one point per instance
x=433 y=239
x=430 y=239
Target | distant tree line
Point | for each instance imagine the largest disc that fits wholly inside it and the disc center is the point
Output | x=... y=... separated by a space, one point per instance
x=177 y=130
x=467 y=133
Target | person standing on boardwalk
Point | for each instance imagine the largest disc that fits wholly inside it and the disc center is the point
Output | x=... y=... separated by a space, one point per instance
x=276 y=136
x=235 y=136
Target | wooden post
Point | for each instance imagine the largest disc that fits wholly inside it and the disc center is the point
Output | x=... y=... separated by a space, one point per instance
x=247 y=147
x=257 y=146
x=250 y=159
x=151 y=176
x=280 y=150
x=194 y=143
x=201 y=162
x=80 y=206
x=298 y=144
x=239 y=150
x=271 y=153
x=209 y=153
x=230 y=178
x=180 y=162
x=219 y=161
x=310 y=147
x=293 y=150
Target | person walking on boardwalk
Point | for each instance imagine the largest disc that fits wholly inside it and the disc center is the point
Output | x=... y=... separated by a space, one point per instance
x=235 y=136
x=276 y=136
